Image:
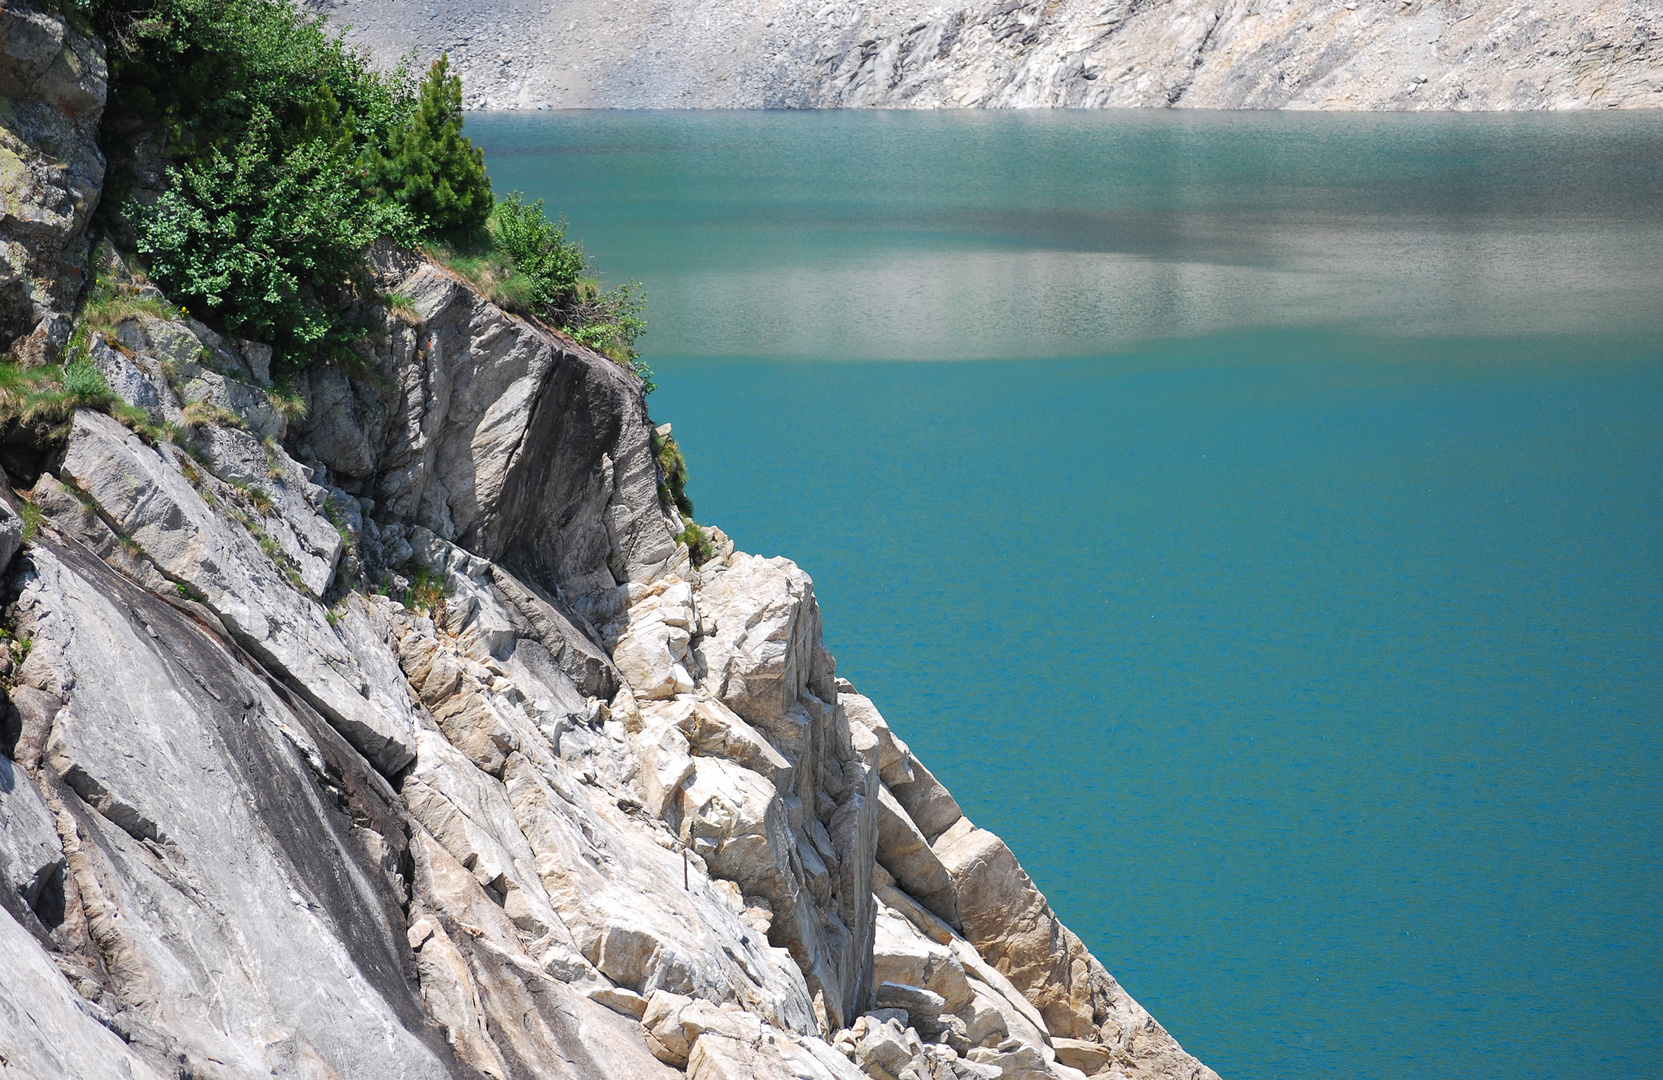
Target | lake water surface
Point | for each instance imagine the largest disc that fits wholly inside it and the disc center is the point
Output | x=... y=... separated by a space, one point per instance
x=1276 y=559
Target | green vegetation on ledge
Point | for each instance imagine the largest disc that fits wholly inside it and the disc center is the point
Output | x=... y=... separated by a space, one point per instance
x=288 y=154
x=525 y=263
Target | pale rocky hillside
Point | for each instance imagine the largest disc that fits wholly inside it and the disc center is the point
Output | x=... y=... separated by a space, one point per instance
x=552 y=802
x=1210 y=54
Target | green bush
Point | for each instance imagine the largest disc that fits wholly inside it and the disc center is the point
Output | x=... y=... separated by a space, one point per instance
x=552 y=266
x=430 y=168
x=206 y=69
x=700 y=549
x=550 y=279
x=263 y=240
x=674 y=469
x=281 y=138
x=290 y=154
x=84 y=384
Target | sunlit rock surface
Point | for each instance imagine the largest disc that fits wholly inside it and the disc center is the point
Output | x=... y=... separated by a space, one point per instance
x=1207 y=54
x=397 y=736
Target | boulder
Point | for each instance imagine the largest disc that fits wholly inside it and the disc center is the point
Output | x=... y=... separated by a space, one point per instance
x=479 y=423
x=895 y=759
x=760 y=627
x=1014 y=1059
x=927 y=802
x=1088 y=1057
x=904 y=853
x=903 y=956
x=915 y=1000
x=713 y=730
x=565 y=634
x=883 y=1051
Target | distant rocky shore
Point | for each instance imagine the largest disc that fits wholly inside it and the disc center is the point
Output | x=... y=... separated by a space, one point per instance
x=1208 y=54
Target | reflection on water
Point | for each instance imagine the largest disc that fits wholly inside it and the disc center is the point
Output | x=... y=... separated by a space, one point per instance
x=948 y=236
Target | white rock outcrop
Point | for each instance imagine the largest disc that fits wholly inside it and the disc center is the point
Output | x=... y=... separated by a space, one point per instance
x=406 y=741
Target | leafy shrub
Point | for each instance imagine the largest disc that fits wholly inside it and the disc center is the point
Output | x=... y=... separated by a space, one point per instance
x=427 y=591
x=279 y=136
x=429 y=168
x=85 y=385
x=291 y=154
x=205 y=69
x=49 y=395
x=263 y=241
x=551 y=266
x=33 y=519
x=548 y=276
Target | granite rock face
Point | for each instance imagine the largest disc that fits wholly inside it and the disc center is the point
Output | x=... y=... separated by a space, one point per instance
x=408 y=742
x=52 y=86
x=1210 y=54
x=397 y=736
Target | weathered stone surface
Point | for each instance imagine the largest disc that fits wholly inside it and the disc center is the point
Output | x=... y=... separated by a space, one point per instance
x=199 y=366
x=760 y=626
x=31 y=855
x=650 y=640
x=620 y=889
x=711 y=729
x=895 y=758
x=565 y=634
x=480 y=424
x=1088 y=1057
x=1497 y=54
x=52 y=87
x=1010 y=924
x=903 y=851
x=11 y=525
x=242 y=918
x=147 y=499
x=47 y=1029
x=904 y=956
x=469 y=813
x=475 y=974
x=928 y=802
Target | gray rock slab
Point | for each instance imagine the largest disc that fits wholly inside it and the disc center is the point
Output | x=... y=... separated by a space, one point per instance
x=46 y=1028
x=252 y=926
x=146 y=497
x=31 y=856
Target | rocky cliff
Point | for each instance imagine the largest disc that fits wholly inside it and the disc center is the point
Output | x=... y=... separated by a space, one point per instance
x=1210 y=54
x=397 y=735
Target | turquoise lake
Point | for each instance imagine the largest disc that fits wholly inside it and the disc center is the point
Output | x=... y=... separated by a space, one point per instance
x=1256 y=519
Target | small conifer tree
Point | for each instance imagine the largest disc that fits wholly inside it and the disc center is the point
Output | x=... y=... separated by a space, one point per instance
x=431 y=168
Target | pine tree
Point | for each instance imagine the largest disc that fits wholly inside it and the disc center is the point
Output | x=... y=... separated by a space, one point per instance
x=431 y=168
